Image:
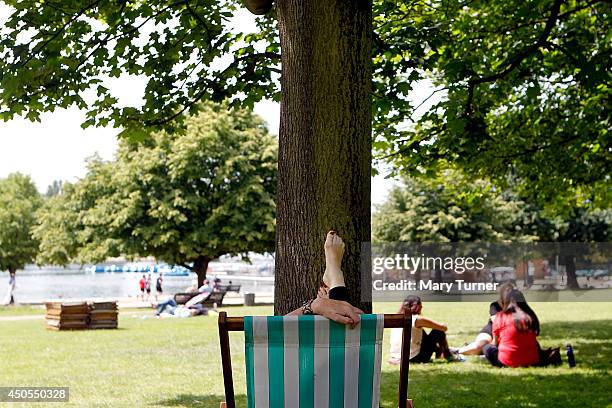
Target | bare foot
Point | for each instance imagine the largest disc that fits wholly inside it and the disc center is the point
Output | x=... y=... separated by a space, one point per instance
x=334 y=250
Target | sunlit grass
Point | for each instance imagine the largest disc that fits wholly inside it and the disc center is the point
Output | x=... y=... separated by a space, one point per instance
x=21 y=310
x=176 y=363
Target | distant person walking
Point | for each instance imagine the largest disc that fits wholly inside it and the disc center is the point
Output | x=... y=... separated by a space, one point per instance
x=10 y=299
x=142 y=283
x=158 y=286
x=148 y=287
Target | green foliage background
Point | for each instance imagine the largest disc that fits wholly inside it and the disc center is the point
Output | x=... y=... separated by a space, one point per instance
x=522 y=88
x=179 y=198
x=450 y=206
x=19 y=201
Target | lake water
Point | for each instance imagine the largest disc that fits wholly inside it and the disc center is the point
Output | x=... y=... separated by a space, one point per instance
x=39 y=285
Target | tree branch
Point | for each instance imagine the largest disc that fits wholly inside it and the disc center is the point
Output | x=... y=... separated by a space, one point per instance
x=412 y=143
x=517 y=59
x=199 y=20
x=429 y=97
x=538 y=148
x=100 y=43
x=200 y=95
x=551 y=45
x=587 y=5
x=136 y=28
x=58 y=32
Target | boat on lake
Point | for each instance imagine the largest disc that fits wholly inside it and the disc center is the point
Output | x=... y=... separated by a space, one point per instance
x=137 y=267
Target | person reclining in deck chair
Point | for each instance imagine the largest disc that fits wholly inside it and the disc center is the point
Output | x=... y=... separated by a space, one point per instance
x=334 y=306
x=316 y=361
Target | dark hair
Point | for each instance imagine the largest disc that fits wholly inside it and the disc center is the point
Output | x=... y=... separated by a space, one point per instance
x=504 y=289
x=410 y=302
x=524 y=317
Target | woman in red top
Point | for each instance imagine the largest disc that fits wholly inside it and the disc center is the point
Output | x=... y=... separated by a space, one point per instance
x=515 y=329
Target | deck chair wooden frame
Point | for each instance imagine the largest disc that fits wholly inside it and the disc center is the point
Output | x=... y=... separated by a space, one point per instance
x=228 y=324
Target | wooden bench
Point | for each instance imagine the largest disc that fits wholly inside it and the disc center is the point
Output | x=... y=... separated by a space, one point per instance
x=213 y=300
x=182 y=298
x=229 y=288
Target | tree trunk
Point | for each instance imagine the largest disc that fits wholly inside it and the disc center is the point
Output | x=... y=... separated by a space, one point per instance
x=324 y=144
x=570 y=270
x=200 y=266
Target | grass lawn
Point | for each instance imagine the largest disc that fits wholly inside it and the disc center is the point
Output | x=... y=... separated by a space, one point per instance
x=175 y=362
x=21 y=310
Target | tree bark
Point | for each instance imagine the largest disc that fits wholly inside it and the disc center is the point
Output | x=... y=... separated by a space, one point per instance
x=324 y=144
x=200 y=266
x=570 y=270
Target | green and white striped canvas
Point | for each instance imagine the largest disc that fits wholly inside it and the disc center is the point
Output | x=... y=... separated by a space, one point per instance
x=312 y=362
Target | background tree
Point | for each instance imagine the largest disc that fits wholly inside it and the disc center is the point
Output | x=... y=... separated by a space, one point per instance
x=57 y=228
x=19 y=201
x=183 y=199
x=450 y=207
x=54 y=188
x=580 y=224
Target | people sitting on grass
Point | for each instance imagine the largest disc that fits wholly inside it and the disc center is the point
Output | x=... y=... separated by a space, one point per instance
x=515 y=329
x=422 y=345
x=486 y=333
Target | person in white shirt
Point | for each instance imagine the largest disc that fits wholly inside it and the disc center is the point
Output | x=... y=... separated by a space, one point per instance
x=422 y=344
x=10 y=298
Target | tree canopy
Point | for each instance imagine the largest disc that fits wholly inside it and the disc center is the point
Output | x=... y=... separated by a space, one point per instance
x=57 y=228
x=450 y=206
x=56 y=55
x=19 y=201
x=523 y=86
x=183 y=199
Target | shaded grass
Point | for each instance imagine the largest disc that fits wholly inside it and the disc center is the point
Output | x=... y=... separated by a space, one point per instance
x=176 y=363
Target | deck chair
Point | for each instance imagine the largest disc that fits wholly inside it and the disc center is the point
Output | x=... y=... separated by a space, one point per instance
x=312 y=362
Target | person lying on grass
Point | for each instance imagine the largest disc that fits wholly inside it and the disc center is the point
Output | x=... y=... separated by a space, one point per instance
x=331 y=301
x=422 y=345
x=170 y=308
x=515 y=329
